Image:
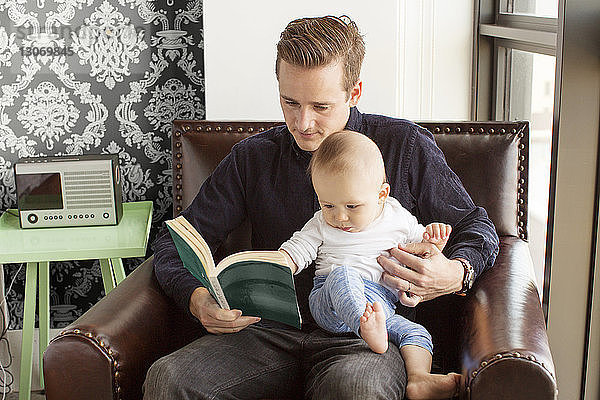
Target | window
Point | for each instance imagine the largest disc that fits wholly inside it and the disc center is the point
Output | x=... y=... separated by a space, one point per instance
x=542 y=8
x=514 y=73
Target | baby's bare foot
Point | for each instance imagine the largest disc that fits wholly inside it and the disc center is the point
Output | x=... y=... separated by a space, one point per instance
x=373 y=329
x=432 y=386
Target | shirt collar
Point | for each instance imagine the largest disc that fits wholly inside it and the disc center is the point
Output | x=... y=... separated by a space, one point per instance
x=354 y=121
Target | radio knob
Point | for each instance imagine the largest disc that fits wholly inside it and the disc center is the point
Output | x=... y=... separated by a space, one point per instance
x=105 y=215
x=32 y=218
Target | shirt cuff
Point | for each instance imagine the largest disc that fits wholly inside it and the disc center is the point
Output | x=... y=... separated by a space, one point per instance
x=184 y=293
x=473 y=256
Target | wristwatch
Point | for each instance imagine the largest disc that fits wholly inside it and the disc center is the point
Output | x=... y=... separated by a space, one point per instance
x=468 y=277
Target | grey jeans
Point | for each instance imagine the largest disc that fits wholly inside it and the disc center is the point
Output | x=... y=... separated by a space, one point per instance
x=270 y=360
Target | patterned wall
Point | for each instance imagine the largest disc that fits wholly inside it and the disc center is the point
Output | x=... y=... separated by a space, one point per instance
x=88 y=77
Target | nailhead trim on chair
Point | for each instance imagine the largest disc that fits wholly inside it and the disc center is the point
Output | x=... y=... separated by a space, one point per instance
x=496 y=358
x=180 y=127
x=104 y=348
x=491 y=128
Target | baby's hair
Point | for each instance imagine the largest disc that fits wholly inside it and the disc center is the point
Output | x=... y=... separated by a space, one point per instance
x=346 y=153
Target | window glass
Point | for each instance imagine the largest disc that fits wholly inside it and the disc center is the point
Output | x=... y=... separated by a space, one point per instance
x=539 y=8
x=532 y=99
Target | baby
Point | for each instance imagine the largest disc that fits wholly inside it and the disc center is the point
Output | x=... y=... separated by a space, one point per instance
x=359 y=221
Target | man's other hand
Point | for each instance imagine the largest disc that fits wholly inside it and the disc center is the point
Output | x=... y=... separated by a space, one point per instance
x=429 y=274
x=214 y=318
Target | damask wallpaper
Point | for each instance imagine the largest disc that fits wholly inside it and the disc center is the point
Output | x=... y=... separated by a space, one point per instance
x=89 y=77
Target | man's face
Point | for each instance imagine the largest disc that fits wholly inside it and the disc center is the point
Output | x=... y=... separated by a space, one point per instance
x=314 y=103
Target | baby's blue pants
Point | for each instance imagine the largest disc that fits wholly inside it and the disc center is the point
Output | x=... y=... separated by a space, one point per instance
x=338 y=300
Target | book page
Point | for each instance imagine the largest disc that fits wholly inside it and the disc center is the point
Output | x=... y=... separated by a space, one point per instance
x=186 y=235
x=269 y=256
x=196 y=235
x=192 y=259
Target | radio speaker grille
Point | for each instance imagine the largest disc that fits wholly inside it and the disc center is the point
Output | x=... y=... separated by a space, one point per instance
x=88 y=189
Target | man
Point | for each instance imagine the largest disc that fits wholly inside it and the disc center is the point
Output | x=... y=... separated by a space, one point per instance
x=264 y=180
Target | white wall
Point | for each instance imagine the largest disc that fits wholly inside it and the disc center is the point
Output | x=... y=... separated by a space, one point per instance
x=435 y=44
x=417 y=63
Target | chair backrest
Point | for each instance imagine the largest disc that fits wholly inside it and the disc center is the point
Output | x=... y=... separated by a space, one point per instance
x=490 y=158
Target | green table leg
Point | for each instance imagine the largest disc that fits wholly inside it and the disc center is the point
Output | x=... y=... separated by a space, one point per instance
x=44 y=313
x=119 y=271
x=107 y=276
x=28 y=326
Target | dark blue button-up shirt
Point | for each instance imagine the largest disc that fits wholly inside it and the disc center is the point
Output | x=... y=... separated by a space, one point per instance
x=264 y=179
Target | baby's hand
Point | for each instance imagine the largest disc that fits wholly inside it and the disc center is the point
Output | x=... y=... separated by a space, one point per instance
x=437 y=234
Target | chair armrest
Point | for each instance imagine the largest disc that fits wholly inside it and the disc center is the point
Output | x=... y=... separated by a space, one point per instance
x=107 y=351
x=505 y=352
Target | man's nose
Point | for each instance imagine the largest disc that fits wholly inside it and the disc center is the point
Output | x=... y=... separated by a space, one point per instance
x=305 y=120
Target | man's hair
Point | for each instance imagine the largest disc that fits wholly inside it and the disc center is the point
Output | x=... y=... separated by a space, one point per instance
x=348 y=153
x=316 y=42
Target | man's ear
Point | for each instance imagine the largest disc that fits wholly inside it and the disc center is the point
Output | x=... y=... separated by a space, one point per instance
x=355 y=93
x=384 y=192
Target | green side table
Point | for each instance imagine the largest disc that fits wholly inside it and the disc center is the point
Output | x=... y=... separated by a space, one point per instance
x=39 y=247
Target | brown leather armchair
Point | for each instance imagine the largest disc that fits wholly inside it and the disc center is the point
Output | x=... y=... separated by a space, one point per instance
x=496 y=335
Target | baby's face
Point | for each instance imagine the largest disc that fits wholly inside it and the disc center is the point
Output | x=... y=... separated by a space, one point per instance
x=349 y=203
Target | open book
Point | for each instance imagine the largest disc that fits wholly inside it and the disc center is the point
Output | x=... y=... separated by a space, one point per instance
x=259 y=283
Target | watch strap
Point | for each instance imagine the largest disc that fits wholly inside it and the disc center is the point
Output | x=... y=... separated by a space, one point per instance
x=468 y=277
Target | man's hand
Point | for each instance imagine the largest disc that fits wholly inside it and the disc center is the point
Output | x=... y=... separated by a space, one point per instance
x=215 y=319
x=429 y=274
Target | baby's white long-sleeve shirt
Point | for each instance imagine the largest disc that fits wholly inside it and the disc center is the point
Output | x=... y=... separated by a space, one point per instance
x=332 y=247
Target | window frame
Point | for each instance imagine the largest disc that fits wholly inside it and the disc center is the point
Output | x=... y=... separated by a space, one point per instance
x=571 y=300
x=497 y=33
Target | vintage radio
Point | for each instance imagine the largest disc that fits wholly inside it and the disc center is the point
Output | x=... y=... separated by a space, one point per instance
x=69 y=191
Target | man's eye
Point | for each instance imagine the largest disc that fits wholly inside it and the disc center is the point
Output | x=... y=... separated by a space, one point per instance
x=326 y=206
x=352 y=206
x=291 y=103
x=321 y=108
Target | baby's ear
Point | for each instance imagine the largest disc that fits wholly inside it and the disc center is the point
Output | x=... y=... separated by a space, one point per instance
x=384 y=192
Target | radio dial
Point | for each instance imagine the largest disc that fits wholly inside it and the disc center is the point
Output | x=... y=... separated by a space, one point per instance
x=32 y=218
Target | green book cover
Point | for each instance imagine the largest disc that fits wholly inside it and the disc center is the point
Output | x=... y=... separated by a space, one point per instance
x=191 y=261
x=261 y=289
x=259 y=283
